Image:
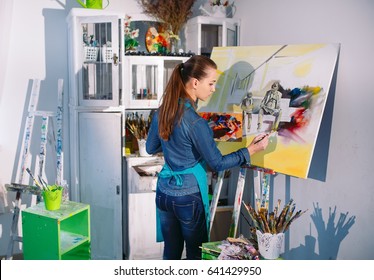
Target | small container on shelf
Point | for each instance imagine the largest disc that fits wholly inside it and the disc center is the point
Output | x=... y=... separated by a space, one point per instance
x=107 y=54
x=90 y=53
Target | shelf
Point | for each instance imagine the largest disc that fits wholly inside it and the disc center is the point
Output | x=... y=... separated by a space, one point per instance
x=67 y=209
x=58 y=234
x=69 y=241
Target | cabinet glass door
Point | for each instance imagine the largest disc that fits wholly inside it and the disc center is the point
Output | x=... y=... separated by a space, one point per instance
x=204 y=33
x=147 y=81
x=211 y=36
x=232 y=35
x=144 y=81
x=143 y=87
x=100 y=63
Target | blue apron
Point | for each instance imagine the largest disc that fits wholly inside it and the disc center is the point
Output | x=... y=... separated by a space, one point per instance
x=200 y=173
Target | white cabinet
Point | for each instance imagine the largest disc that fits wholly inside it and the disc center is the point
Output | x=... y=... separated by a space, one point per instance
x=146 y=79
x=203 y=33
x=140 y=240
x=95 y=120
x=104 y=85
x=99 y=180
x=95 y=57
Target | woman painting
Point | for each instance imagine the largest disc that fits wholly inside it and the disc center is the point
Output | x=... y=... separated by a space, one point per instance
x=187 y=143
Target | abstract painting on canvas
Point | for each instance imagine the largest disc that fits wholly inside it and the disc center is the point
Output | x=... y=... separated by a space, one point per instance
x=281 y=90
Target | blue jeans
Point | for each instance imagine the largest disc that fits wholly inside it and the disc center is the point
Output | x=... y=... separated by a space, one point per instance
x=182 y=220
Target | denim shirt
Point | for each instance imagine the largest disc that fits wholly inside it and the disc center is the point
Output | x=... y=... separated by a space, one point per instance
x=191 y=142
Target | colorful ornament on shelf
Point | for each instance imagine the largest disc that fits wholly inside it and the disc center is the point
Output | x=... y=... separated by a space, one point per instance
x=131 y=43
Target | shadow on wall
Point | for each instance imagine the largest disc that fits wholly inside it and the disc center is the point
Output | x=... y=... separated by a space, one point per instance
x=330 y=236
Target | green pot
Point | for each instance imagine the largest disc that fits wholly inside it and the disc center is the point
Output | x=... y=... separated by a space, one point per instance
x=52 y=197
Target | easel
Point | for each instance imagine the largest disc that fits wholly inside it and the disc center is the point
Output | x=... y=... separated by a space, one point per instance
x=259 y=174
x=20 y=187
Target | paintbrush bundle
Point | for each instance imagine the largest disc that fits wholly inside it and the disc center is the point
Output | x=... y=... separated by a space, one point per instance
x=137 y=125
x=274 y=222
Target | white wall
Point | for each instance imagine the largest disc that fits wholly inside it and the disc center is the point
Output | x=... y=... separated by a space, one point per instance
x=37 y=50
x=341 y=169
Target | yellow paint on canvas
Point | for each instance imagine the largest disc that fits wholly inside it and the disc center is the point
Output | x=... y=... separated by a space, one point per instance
x=303 y=69
x=299 y=50
x=291 y=158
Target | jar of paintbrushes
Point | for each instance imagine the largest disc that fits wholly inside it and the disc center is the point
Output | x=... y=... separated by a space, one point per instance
x=268 y=228
x=138 y=126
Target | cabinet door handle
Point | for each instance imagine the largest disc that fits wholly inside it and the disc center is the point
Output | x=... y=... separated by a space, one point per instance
x=118 y=189
x=115 y=59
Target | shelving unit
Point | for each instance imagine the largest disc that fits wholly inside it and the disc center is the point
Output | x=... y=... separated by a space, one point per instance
x=105 y=85
x=96 y=54
x=63 y=234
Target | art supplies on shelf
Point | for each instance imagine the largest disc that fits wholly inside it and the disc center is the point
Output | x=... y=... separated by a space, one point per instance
x=137 y=125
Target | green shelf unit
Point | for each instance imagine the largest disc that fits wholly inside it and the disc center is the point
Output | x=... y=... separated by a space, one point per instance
x=62 y=234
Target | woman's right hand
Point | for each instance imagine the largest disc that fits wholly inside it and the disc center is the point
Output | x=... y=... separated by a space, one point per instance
x=259 y=143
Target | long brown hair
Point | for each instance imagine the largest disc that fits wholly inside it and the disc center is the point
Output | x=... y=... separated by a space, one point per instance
x=171 y=108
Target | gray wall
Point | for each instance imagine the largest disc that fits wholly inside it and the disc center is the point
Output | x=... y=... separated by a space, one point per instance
x=339 y=187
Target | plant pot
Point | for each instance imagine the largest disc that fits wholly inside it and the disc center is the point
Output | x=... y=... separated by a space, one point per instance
x=52 y=197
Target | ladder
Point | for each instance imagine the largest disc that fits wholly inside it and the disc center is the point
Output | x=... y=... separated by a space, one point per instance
x=46 y=119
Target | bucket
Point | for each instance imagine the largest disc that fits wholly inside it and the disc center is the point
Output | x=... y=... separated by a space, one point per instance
x=52 y=197
x=142 y=150
x=269 y=245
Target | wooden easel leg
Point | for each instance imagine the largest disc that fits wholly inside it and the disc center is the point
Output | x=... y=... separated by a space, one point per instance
x=13 y=235
x=216 y=194
x=238 y=202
